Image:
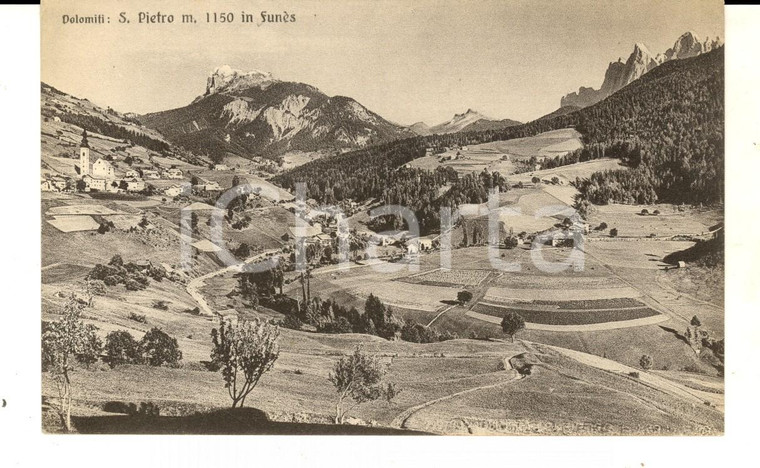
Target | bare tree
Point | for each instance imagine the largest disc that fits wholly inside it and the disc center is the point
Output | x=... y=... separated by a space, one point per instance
x=63 y=342
x=244 y=352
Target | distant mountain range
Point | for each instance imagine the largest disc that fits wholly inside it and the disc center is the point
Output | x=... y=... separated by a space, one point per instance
x=252 y=113
x=470 y=121
x=641 y=60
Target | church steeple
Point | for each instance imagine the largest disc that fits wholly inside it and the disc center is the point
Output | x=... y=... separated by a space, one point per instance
x=84 y=156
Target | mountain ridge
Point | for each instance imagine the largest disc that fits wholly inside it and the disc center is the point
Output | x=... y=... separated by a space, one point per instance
x=640 y=62
x=253 y=113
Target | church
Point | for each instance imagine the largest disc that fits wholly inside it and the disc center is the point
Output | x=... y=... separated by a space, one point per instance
x=98 y=176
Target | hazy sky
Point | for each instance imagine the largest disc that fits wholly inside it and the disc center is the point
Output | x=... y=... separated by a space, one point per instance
x=406 y=60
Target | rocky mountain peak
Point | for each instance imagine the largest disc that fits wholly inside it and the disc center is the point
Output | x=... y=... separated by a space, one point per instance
x=641 y=61
x=228 y=79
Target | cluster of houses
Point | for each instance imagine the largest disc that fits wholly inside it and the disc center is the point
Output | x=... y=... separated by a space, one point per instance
x=101 y=176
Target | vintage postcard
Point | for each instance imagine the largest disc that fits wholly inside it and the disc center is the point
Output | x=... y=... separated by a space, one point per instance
x=382 y=217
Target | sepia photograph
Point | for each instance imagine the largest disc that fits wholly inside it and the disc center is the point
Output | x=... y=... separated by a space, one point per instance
x=388 y=217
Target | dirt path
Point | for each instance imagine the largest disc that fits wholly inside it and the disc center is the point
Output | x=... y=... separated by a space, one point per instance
x=654 y=380
x=400 y=420
x=194 y=286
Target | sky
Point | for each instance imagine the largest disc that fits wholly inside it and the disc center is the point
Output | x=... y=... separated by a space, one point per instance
x=408 y=61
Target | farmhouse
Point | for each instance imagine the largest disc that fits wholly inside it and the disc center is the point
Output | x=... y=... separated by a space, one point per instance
x=135 y=185
x=323 y=239
x=174 y=173
x=220 y=167
x=174 y=191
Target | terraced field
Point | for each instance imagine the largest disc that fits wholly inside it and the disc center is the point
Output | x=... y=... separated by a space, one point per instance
x=441 y=277
x=568 y=317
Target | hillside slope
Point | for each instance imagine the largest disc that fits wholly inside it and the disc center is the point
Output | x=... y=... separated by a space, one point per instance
x=668 y=126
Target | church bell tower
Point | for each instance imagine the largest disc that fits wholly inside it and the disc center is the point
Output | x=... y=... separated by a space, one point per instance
x=84 y=156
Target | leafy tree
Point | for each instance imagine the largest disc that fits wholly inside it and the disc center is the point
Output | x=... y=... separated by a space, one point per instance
x=243 y=251
x=121 y=348
x=511 y=324
x=291 y=321
x=645 y=362
x=645 y=212
x=357 y=377
x=194 y=181
x=81 y=185
x=375 y=310
x=194 y=222
x=63 y=342
x=157 y=348
x=695 y=322
x=463 y=297
x=244 y=352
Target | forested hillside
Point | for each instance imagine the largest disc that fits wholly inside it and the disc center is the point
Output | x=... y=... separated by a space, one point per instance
x=667 y=126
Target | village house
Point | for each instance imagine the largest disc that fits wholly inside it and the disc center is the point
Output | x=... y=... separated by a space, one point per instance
x=150 y=174
x=135 y=185
x=132 y=174
x=174 y=173
x=323 y=239
x=103 y=169
x=173 y=191
x=92 y=183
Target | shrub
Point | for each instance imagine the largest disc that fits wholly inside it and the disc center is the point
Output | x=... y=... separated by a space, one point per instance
x=646 y=362
x=138 y=318
x=158 y=348
x=97 y=287
x=463 y=297
x=121 y=348
x=291 y=321
x=634 y=374
x=613 y=232
x=161 y=305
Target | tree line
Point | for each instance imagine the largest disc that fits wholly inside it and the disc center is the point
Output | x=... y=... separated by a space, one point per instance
x=666 y=126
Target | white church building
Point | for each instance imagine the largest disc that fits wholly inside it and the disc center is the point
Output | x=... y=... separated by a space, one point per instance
x=97 y=176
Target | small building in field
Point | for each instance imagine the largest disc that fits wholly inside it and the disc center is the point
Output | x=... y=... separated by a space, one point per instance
x=221 y=167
